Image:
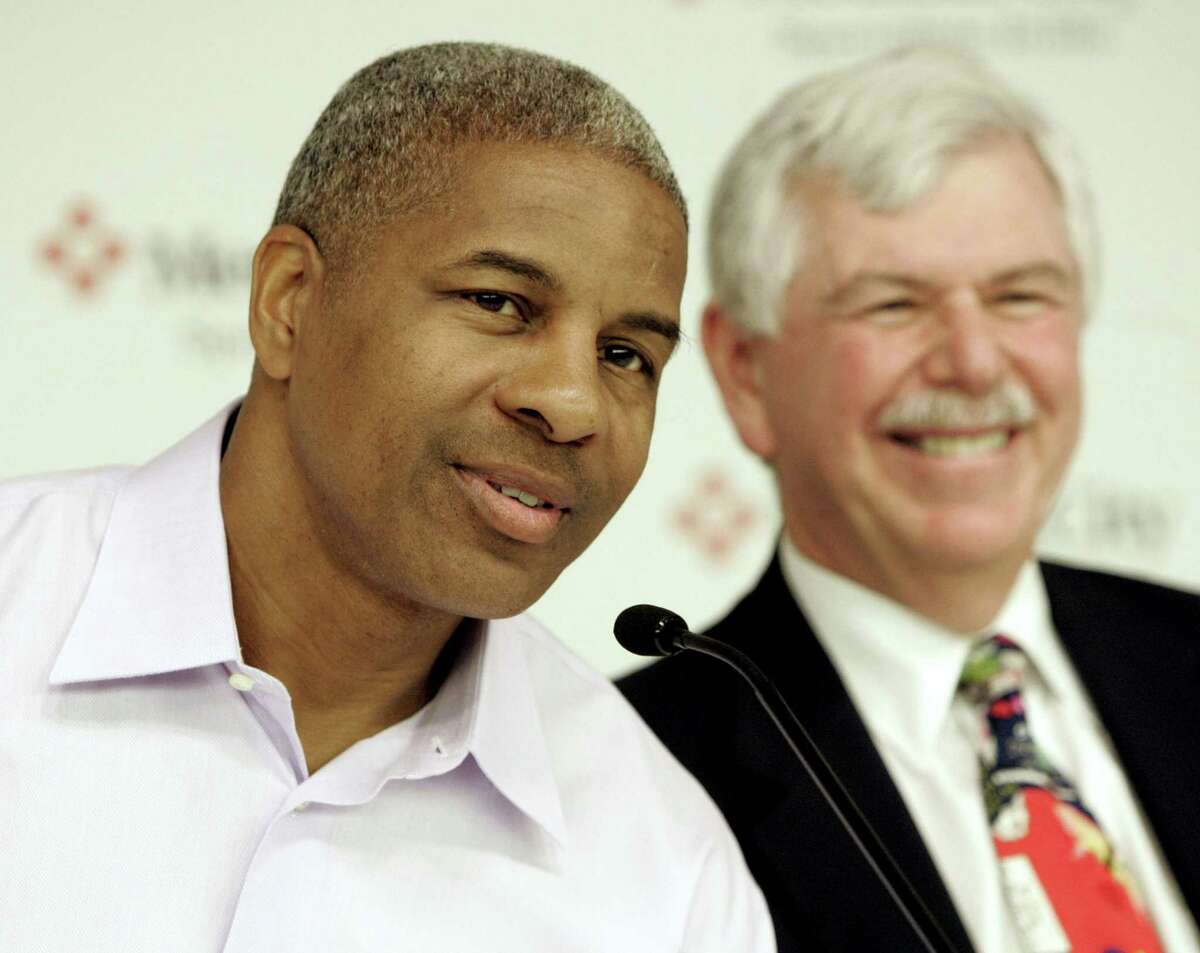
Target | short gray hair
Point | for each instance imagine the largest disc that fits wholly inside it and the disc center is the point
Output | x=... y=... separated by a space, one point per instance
x=885 y=129
x=383 y=146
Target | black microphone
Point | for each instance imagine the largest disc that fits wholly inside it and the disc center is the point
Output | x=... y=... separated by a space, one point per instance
x=650 y=630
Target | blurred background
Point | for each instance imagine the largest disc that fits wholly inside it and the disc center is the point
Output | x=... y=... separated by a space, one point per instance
x=145 y=144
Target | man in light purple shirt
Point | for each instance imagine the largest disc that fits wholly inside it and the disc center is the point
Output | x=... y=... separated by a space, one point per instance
x=250 y=703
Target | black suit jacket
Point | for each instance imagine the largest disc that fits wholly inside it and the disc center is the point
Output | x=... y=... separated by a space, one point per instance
x=1136 y=647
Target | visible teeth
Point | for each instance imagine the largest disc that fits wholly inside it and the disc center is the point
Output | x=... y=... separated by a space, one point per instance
x=964 y=446
x=527 y=498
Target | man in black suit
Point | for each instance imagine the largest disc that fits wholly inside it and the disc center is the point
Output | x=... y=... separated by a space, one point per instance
x=901 y=254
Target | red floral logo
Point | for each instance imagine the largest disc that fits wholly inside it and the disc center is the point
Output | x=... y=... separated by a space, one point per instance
x=81 y=250
x=716 y=518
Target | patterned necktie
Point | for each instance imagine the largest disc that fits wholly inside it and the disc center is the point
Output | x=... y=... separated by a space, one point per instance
x=1067 y=891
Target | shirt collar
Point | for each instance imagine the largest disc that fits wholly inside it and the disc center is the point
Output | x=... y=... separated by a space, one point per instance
x=508 y=738
x=159 y=599
x=1025 y=618
x=484 y=709
x=875 y=642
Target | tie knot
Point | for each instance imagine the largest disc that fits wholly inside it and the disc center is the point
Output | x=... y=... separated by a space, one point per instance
x=994 y=669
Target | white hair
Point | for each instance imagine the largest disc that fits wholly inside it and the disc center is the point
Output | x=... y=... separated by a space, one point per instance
x=385 y=144
x=885 y=130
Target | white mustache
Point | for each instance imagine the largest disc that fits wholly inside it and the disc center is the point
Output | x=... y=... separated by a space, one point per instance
x=1009 y=405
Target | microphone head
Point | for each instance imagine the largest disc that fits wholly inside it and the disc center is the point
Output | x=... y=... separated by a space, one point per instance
x=649 y=630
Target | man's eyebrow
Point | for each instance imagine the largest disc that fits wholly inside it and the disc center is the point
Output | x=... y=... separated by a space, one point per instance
x=654 y=323
x=525 y=268
x=863 y=279
x=1037 y=269
x=866 y=279
x=531 y=270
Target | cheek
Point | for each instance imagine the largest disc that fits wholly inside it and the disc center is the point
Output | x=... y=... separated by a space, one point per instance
x=862 y=376
x=1048 y=359
x=373 y=401
x=630 y=447
x=1061 y=395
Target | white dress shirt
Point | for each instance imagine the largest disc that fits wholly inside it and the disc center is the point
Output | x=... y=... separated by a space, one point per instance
x=157 y=799
x=902 y=670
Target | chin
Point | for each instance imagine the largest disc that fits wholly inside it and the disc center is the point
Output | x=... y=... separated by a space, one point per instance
x=976 y=538
x=496 y=608
x=484 y=595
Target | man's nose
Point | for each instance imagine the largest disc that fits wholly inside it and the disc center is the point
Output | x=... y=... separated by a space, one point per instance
x=555 y=387
x=968 y=353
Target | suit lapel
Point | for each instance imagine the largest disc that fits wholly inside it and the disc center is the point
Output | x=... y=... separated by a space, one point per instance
x=1137 y=650
x=769 y=626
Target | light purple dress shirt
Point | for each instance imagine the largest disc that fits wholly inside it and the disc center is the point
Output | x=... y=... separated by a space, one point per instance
x=157 y=797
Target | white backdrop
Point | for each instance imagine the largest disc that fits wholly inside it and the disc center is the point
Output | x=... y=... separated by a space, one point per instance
x=145 y=144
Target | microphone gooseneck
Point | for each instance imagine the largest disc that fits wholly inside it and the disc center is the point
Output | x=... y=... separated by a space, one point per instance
x=650 y=630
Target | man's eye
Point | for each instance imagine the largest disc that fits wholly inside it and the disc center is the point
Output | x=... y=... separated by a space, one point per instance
x=1021 y=303
x=494 y=302
x=627 y=358
x=892 y=311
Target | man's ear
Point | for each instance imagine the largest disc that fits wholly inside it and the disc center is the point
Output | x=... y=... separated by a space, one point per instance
x=288 y=275
x=735 y=356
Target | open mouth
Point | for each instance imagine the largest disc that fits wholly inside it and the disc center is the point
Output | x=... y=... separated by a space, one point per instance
x=958 y=445
x=515 y=493
x=515 y=511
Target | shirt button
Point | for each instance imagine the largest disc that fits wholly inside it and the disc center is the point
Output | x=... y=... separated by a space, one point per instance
x=302 y=806
x=439 y=747
x=241 y=681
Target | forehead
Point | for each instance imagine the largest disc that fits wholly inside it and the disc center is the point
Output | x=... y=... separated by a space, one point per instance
x=560 y=204
x=993 y=210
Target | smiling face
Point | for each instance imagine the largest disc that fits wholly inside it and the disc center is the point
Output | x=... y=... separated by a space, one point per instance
x=921 y=398
x=469 y=412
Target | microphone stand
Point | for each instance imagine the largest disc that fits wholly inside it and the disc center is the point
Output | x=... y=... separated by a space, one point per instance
x=881 y=862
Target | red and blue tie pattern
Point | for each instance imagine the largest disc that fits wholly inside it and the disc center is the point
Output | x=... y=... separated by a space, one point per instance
x=1067 y=890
